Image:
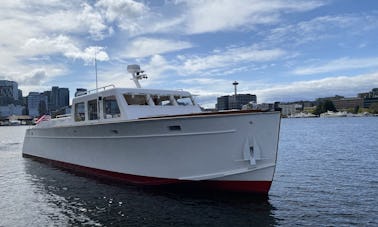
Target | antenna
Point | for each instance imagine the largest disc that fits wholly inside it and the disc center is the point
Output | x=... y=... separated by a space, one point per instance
x=137 y=74
x=95 y=63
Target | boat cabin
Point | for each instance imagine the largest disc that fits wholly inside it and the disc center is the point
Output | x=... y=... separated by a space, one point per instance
x=109 y=104
x=131 y=103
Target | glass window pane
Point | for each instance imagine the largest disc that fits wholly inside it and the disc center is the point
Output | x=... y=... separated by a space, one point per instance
x=92 y=110
x=111 y=109
x=135 y=99
x=184 y=100
x=162 y=100
x=80 y=111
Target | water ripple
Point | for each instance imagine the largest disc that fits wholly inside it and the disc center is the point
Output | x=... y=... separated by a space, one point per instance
x=326 y=176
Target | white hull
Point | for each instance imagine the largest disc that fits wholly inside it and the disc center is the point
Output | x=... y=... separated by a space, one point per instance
x=209 y=147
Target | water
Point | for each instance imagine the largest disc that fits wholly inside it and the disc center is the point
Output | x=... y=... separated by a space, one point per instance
x=326 y=175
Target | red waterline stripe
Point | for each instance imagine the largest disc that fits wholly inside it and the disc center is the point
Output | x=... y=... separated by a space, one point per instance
x=260 y=187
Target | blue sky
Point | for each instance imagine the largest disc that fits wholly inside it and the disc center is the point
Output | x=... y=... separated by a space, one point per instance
x=280 y=50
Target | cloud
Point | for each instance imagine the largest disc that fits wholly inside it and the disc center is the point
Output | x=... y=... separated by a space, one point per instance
x=122 y=9
x=128 y=15
x=228 y=59
x=36 y=79
x=89 y=54
x=143 y=47
x=76 y=18
x=217 y=63
x=46 y=17
x=223 y=15
x=94 y=22
x=197 y=17
x=348 y=26
x=338 y=65
x=36 y=34
x=48 y=45
x=64 y=45
x=310 y=90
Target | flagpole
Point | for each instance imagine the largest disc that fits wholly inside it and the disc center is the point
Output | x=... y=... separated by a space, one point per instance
x=98 y=99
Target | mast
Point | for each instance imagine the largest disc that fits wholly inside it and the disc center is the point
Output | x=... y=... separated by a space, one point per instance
x=95 y=63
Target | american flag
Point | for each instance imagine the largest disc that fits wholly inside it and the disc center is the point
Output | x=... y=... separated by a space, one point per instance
x=43 y=118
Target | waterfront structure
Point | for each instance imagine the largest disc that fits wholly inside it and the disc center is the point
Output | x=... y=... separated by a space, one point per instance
x=160 y=137
x=369 y=101
x=344 y=104
x=11 y=109
x=372 y=94
x=369 y=98
x=288 y=109
x=260 y=106
x=229 y=102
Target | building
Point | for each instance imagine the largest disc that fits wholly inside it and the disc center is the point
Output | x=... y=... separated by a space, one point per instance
x=37 y=104
x=9 y=89
x=63 y=98
x=372 y=94
x=58 y=98
x=229 y=102
x=10 y=99
x=9 y=93
x=348 y=103
x=222 y=103
x=363 y=95
x=369 y=101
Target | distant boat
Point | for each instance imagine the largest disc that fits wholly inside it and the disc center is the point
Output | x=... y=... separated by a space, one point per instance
x=333 y=114
x=156 y=137
x=364 y=114
x=302 y=115
x=14 y=122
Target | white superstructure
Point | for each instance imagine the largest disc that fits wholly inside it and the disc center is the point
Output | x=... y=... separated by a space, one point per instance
x=148 y=136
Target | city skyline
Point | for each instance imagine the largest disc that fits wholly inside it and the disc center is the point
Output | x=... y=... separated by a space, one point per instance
x=12 y=101
x=228 y=94
x=278 y=50
x=57 y=101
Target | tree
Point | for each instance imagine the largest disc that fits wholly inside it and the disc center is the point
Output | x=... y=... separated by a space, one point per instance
x=324 y=106
x=328 y=105
x=373 y=108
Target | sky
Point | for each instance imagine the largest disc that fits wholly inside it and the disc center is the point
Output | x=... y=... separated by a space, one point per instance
x=280 y=50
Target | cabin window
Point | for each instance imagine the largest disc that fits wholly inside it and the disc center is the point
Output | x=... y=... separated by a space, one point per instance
x=132 y=99
x=92 y=110
x=162 y=100
x=111 y=109
x=184 y=100
x=80 y=111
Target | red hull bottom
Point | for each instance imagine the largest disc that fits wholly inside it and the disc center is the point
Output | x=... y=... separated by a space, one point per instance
x=259 y=187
